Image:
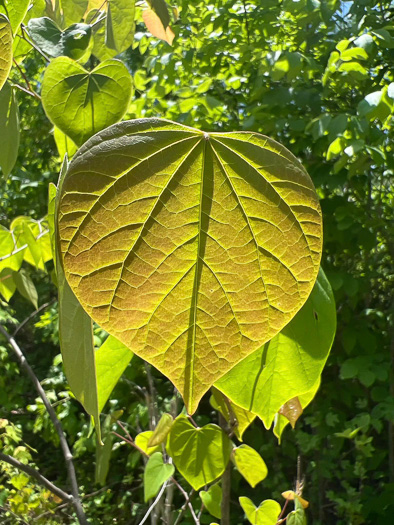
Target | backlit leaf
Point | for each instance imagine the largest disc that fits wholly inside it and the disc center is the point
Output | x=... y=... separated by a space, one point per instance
x=161 y=431
x=111 y=359
x=200 y=454
x=5 y=49
x=291 y=363
x=73 y=11
x=7 y=247
x=16 y=11
x=9 y=129
x=142 y=439
x=266 y=514
x=81 y=103
x=250 y=464
x=230 y=411
x=7 y=284
x=119 y=24
x=25 y=287
x=155 y=474
x=291 y=410
x=64 y=144
x=155 y=25
x=193 y=249
x=212 y=499
x=72 y=42
x=76 y=337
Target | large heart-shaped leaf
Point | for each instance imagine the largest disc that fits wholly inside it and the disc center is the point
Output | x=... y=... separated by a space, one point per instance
x=72 y=42
x=291 y=363
x=193 y=249
x=200 y=454
x=79 y=102
x=5 y=49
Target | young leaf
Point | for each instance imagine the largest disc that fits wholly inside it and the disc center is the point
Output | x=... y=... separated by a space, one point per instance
x=266 y=514
x=250 y=464
x=161 y=431
x=142 y=439
x=72 y=42
x=229 y=410
x=291 y=410
x=64 y=144
x=212 y=500
x=156 y=473
x=7 y=284
x=25 y=287
x=194 y=225
x=9 y=129
x=200 y=454
x=111 y=359
x=76 y=336
x=7 y=247
x=5 y=49
x=120 y=25
x=16 y=11
x=291 y=363
x=157 y=20
x=81 y=103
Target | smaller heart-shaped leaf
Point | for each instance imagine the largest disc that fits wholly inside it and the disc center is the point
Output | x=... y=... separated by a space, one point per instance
x=200 y=454
x=73 y=42
x=156 y=473
x=249 y=464
x=266 y=514
x=81 y=103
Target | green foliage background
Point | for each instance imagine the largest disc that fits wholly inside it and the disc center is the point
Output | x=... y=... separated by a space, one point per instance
x=317 y=76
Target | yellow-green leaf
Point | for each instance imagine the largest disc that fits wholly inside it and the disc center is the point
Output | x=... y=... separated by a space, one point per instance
x=193 y=249
x=161 y=431
x=7 y=284
x=64 y=144
x=142 y=439
x=250 y=464
x=156 y=473
x=5 y=48
x=230 y=411
x=200 y=454
x=9 y=129
x=212 y=499
x=266 y=514
x=111 y=359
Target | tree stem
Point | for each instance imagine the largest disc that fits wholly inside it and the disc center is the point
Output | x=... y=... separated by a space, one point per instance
x=63 y=442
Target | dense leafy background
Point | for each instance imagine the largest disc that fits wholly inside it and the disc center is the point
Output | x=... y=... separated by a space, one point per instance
x=317 y=76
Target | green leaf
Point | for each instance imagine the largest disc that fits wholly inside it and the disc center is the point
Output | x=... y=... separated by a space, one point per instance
x=7 y=247
x=73 y=42
x=296 y=517
x=76 y=337
x=25 y=233
x=51 y=218
x=193 y=226
x=266 y=514
x=250 y=464
x=156 y=473
x=111 y=359
x=200 y=454
x=142 y=439
x=120 y=25
x=64 y=144
x=5 y=49
x=104 y=451
x=212 y=500
x=16 y=11
x=25 y=287
x=81 y=103
x=7 y=284
x=289 y=364
x=161 y=431
x=9 y=129
x=231 y=411
x=73 y=10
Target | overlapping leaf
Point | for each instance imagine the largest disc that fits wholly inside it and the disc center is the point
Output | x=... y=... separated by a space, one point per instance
x=192 y=249
x=9 y=129
x=5 y=48
x=81 y=103
x=291 y=363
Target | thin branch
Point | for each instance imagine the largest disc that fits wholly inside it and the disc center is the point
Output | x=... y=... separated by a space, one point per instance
x=63 y=442
x=31 y=316
x=37 y=476
x=158 y=498
x=27 y=81
x=21 y=88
